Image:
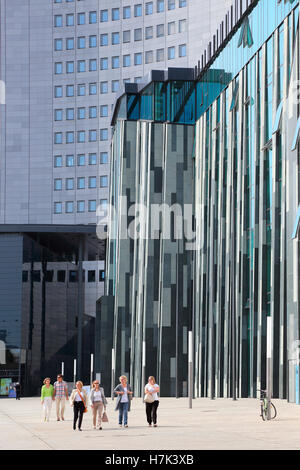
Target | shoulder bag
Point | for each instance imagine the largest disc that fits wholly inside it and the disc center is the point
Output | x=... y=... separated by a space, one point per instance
x=148 y=398
x=85 y=408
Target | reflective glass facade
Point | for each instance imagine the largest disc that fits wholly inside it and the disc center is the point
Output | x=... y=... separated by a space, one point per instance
x=245 y=206
x=42 y=309
x=258 y=26
x=172 y=101
x=244 y=269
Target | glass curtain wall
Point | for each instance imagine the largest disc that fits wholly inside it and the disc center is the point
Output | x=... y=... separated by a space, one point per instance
x=241 y=232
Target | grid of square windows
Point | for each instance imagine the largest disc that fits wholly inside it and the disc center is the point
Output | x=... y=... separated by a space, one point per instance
x=115 y=36
x=115 y=64
x=138 y=9
x=81 y=159
x=115 y=61
x=80 y=206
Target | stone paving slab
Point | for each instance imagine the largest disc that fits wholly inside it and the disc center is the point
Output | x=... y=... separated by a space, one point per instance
x=211 y=424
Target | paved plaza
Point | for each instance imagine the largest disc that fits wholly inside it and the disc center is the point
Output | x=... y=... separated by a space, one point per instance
x=211 y=424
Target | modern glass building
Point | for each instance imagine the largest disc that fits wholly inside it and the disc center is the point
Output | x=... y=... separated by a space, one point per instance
x=62 y=63
x=42 y=295
x=222 y=139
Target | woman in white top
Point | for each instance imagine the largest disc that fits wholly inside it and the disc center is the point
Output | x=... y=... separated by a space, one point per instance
x=98 y=402
x=78 y=400
x=124 y=393
x=151 y=408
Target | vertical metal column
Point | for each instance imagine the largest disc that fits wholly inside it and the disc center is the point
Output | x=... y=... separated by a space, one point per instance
x=92 y=369
x=143 y=369
x=177 y=318
x=74 y=372
x=112 y=373
x=233 y=286
x=269 y=364
x=43 y=316
x=190 y=359
x=80 y=307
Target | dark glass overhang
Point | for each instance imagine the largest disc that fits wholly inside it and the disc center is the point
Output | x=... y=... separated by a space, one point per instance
x=162 y=96
x=63 y=239
x=180 y=95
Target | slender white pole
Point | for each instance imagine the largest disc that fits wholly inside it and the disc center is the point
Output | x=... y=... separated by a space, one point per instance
x=74 y=373
x=112 y=372
x=62 y=368
x=269 y=365
x=92 y=368
x=143 y=369
x=190 y=359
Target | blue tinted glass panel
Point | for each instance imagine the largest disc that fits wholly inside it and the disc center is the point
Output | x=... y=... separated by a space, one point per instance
x=160 y=101
x=263 y=20
x=147 y=102
x=133 y=107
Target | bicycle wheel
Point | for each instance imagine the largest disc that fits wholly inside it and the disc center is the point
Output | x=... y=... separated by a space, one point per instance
x=263 y=412
x=273 y=411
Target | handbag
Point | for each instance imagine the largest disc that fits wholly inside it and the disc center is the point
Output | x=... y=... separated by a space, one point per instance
x=104 y=417
x=148 y=398
x=85 y=408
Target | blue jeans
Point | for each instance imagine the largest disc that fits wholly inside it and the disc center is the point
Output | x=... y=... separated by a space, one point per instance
x=123 y=412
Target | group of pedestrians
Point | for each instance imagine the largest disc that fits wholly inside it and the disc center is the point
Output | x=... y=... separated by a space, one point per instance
x=79 y=400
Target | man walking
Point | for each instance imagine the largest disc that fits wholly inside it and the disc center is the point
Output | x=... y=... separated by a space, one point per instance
x=60 y=394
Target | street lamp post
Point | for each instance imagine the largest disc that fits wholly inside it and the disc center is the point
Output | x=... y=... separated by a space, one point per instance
x=177 y=321
x=269 y=365
x=190 y=357
x=112 y=372
x=92 y=368
x=143 y=369
x=74 y=372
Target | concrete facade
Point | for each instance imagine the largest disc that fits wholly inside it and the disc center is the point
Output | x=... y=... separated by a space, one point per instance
x=62 y=183
x=33 y=181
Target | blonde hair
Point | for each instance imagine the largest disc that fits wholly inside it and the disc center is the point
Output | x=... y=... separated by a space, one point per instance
x=93 y=384
x=123 y=377
x=79 y=382
x=47 y=378
x=151 y=378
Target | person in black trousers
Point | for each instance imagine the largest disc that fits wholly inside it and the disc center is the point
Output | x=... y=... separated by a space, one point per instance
x=18 y=390
x=78 y=400
x=152 y=389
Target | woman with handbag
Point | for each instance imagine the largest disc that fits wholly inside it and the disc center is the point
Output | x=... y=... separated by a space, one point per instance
x=78 y=400
x=151 y=400
x=98 y=402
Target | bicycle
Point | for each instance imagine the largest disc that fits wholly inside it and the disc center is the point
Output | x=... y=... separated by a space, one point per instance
x=264 y=406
